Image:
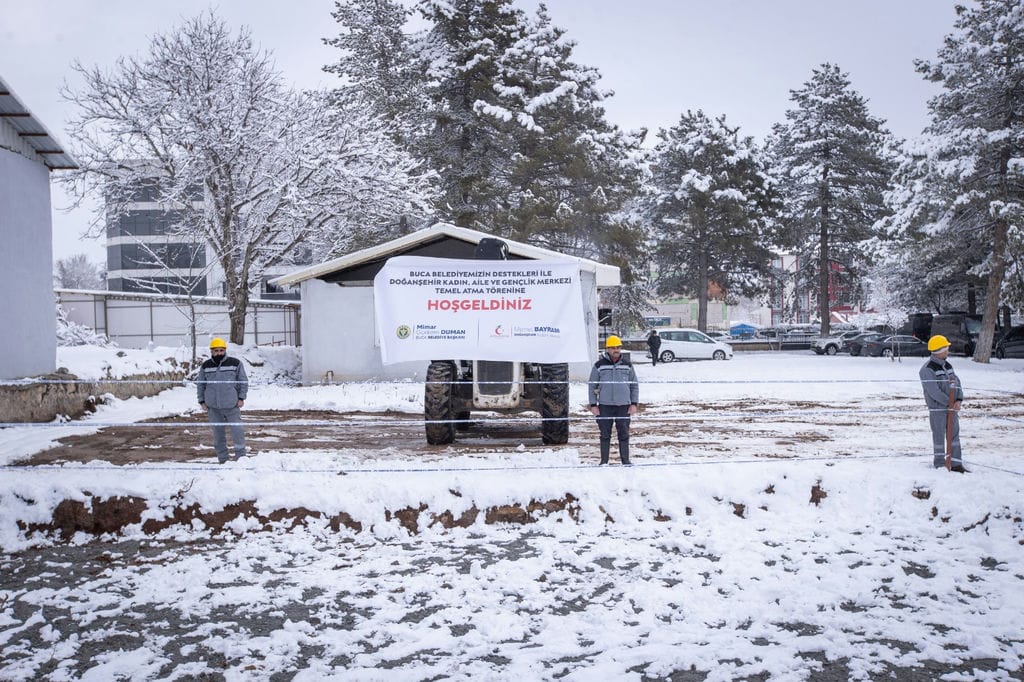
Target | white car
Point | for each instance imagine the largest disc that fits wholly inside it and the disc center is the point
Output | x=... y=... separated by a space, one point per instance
x=830 y=345
x=690 y=344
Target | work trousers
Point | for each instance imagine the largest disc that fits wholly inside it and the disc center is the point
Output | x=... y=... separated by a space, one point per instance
x=219 y=419
x=617 y=415
x=937 y=420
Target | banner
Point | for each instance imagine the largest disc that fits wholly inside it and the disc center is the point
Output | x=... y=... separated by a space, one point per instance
x=449 y=309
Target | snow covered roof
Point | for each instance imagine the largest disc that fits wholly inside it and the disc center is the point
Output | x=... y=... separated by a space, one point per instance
x=606 y=275
x=32 y=131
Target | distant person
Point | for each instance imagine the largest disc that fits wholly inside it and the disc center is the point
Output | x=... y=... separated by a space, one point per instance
x=614 y=396
x=654 y=345
x=221 y=388
x=943 y=394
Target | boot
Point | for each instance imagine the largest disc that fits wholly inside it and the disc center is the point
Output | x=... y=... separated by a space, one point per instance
x=606 y=446
x=624 y=452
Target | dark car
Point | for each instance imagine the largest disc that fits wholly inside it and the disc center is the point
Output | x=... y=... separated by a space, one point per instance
x=840 y=343
x=896 y=345
x=856 y=344
x=1011 y=345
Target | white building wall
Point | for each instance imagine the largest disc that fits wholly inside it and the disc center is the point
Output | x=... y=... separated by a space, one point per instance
x=26 y=259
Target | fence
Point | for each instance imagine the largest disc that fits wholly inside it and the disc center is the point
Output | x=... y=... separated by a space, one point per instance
x=134 y=320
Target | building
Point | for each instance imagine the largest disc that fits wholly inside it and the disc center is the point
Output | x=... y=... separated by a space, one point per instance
x=28 y=153
x=145 y=255
x=338 y=330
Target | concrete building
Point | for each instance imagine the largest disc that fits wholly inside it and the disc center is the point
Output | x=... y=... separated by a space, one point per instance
x=28 y=153
x=338 y=330
x=145 y=255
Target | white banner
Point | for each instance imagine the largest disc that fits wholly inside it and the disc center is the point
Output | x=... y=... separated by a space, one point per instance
x=449 y=309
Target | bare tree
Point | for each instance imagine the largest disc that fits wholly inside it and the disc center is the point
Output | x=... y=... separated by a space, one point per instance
x=78 y=272
x=253 y=169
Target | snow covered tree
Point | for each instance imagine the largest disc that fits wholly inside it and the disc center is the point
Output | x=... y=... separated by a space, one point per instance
x=255 y=170
x=78 y=272
x=833 y=162
x=510 y=124
x=963 y=189
x=709 y=211
x=378 y=65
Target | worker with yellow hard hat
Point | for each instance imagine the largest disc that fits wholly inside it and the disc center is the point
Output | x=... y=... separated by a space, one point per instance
x=221 y=389
x=943 y=394
x=614 y=397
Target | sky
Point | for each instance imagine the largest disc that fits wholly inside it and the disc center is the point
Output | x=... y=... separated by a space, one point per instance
x=707 y=555
x=661 y=58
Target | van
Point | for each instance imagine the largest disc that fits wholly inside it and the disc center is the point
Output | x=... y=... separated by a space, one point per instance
x=961 y=329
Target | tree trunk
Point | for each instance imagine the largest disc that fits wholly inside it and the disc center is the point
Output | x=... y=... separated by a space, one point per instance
x=990 y=313
x=823 y=260
x=239 y=304
x=702 y=292
x=823 y=272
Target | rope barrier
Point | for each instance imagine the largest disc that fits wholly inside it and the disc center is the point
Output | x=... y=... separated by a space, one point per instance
x=525 y=382
x=529 y=467
x=347 y=419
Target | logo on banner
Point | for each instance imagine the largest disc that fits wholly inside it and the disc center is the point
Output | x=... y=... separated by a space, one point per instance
x=403 y=332
x=499 y=332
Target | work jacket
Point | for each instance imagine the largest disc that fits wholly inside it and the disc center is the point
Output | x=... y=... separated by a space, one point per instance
x=613 y=383
x=222 y=384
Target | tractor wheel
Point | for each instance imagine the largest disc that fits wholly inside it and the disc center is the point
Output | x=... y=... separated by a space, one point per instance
x=554 y=412
x=437 y=403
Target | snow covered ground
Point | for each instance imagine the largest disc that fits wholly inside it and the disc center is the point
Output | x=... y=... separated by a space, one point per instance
x=707 y=560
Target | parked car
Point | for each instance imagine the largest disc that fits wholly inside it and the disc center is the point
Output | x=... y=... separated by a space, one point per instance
x=789 y=337
x=839 y=343
x=899 y=345
x=720 y=336
x=690 y=344
x=856 y=344
x=1011 y=344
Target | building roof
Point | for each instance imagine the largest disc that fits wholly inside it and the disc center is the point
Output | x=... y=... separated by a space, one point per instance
x=32 y=131
x=606 y=275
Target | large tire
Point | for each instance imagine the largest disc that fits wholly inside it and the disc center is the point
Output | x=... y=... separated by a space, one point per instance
x=437 y=403
x=554 y=411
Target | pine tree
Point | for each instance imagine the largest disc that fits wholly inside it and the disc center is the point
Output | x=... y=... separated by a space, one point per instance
x=708 y=209
x=379 y=67
x=965 y=184
x=510 y=125
x=833 y=164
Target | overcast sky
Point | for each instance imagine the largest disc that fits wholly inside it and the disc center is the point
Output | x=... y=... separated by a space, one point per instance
x=740 y=58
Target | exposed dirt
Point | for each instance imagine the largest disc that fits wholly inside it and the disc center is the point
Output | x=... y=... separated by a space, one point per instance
x=150 y=441
x=741 y=427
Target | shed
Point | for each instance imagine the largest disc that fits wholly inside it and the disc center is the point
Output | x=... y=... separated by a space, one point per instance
x=28 y=152
x=338 y=324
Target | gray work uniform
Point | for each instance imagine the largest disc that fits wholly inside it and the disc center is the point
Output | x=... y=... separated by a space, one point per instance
x=220 y=386
x=937 y=378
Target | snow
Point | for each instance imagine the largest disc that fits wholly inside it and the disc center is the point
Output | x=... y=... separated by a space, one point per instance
x=875 y=577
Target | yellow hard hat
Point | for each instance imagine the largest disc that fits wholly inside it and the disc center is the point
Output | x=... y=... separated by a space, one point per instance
x=937 y=342
x=613 y=342
x=218 y=343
